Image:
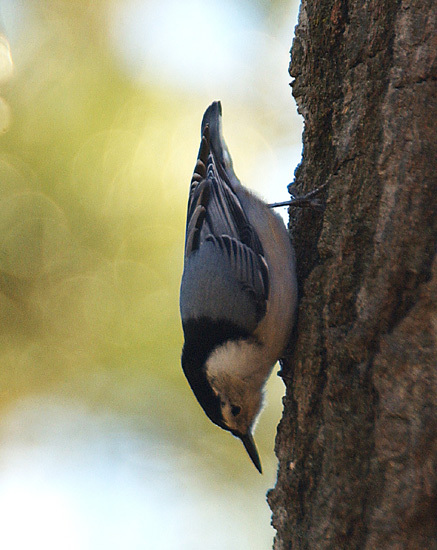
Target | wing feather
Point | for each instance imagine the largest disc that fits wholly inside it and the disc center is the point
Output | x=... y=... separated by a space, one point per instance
x=218 y=231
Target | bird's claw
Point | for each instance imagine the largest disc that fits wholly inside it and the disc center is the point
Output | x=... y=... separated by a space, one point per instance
x=304 y=201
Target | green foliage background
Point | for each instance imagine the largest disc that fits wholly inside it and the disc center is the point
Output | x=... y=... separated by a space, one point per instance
x=94 y=173
x=91 y=218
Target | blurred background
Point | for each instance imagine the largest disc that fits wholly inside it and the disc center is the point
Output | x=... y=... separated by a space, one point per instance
x=102 y=444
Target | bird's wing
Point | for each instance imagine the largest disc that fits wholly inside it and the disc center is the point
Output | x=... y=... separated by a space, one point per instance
x=221 y=244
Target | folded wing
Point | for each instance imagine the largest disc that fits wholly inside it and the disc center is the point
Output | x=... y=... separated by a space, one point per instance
x=225 y=273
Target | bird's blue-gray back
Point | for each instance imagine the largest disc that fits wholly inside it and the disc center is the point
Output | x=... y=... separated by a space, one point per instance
x=225 y=275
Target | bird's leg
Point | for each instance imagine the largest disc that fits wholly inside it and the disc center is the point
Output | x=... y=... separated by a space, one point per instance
x=304 y=201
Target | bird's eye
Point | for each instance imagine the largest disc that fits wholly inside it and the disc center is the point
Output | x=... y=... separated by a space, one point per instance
x=235 y=410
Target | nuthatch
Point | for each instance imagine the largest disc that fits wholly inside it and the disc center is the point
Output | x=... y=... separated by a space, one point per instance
x=238 y=292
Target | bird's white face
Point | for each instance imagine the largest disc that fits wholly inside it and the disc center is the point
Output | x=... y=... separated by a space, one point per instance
x=240 y=414
x=231 y=372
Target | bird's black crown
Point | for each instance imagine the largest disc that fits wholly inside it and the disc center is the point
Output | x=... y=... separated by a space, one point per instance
x=202 y=336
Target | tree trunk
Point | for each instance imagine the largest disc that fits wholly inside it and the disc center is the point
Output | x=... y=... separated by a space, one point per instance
x=357 y=443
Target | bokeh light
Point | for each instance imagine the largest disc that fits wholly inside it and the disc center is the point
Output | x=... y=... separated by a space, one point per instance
x=102 y=444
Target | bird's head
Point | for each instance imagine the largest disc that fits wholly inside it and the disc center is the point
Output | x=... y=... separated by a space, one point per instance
x=231 y=374
x=227 y=379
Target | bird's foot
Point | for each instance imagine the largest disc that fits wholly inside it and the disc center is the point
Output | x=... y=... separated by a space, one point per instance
x=304 y=201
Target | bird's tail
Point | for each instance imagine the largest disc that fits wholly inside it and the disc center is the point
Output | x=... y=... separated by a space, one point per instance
x=212 y=119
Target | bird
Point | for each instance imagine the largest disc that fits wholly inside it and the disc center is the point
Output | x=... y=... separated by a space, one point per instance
x=238 y=293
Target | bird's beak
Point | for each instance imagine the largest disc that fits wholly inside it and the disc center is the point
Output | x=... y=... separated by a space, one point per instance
x=249 y=445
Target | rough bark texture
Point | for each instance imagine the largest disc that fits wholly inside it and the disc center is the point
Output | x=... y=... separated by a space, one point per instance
x=357 y=443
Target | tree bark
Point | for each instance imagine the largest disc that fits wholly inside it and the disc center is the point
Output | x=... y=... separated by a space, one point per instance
x=357 y=443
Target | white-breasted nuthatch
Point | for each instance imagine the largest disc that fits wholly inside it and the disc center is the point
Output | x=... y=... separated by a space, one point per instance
x=238 y=292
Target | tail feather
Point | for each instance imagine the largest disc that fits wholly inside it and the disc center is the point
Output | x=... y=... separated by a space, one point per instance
x=212 y=126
